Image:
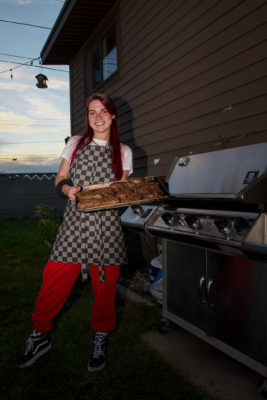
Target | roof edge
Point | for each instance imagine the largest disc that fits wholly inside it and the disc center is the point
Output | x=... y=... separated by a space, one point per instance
x=58 y=25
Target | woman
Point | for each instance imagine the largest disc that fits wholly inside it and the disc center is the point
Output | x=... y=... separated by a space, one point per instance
x=85 y=240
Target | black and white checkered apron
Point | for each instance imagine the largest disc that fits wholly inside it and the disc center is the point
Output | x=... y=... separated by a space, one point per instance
x=90 y=237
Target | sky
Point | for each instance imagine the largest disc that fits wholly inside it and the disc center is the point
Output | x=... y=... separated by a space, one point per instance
x=33 y=122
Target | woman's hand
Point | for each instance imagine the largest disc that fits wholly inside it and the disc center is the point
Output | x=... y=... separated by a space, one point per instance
x=63 y=172
x=70 y=191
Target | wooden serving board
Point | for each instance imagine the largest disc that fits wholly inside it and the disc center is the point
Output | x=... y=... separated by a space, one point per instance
x=129 y=203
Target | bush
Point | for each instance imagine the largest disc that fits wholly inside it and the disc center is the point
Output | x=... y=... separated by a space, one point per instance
x=49 y=222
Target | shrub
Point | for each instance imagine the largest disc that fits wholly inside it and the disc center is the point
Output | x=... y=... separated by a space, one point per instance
x=49 y=222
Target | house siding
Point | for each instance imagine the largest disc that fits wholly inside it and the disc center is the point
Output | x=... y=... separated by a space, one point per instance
x=77 y=94
x=193 y=78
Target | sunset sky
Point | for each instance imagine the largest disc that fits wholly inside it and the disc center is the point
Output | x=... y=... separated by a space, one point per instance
x=33 y=122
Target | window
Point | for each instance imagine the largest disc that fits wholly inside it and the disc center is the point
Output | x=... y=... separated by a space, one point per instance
x=95 y=67
x=103 y=59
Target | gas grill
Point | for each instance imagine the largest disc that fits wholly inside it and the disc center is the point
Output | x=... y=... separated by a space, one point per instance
x=217 y=198
x=213 y=230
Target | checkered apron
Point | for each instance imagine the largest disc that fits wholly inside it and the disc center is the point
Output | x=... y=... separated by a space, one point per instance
x=94 y=237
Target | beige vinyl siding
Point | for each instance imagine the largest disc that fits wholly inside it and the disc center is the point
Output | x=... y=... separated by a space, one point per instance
x=193 y=77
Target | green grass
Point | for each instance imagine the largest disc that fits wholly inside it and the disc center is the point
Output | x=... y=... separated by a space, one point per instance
x=133 y=372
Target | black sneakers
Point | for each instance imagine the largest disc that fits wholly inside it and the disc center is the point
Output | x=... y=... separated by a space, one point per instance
x=36 y=346
x=98 y=357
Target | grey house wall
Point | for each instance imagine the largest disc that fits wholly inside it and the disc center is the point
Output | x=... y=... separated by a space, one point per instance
x=192 y=78
x=21 y=193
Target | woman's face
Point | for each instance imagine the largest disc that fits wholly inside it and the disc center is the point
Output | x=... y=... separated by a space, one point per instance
x=100 y=120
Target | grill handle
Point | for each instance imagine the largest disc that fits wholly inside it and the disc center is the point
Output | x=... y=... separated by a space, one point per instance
x=210 y=293
x=202 y=290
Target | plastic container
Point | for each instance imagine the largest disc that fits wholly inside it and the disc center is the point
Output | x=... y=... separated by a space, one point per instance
x=155 y=287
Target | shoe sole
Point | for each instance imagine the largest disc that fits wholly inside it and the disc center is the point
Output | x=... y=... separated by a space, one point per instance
x=35 y=358
x=95 y=369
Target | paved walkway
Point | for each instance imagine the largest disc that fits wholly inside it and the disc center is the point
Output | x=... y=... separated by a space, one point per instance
x=221 y=376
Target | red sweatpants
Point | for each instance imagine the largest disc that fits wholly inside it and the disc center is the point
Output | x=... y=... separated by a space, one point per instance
x=58 y=280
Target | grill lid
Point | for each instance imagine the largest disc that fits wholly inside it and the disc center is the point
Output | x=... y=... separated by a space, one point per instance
x=238 y=173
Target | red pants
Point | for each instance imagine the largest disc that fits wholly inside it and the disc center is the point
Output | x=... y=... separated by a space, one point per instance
x=58 y=280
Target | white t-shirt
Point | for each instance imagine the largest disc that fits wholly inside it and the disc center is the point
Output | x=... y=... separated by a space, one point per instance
x=126 y=151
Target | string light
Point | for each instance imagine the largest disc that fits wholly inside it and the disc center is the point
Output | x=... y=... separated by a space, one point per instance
x=28 y=64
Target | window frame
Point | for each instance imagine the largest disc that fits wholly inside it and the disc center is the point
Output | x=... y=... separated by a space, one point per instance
x=92 y=50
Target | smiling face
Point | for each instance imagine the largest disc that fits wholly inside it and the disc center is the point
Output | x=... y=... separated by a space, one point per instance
x=100 y=120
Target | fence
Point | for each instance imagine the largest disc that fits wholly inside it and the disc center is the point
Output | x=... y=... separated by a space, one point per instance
x=21 y=193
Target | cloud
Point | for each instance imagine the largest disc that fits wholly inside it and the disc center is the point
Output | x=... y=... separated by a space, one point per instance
x=25 y=109
x=58 y=84
x=45 y=108
x=29 y=116
x=34 y=128
x=18 y=86
x=24 y=78
x=42 y=149
x=23 y=2
x=11 y=122
x=44 y=118
x=26 y=2
x=12 y=85
x=29 y=165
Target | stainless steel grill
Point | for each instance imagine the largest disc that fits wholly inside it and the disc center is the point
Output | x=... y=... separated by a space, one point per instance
x=217 y=199
x=213 y=230
x=224 y=230
x=230 y=174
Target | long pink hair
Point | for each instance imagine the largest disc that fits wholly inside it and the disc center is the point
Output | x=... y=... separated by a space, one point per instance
x=114 y=139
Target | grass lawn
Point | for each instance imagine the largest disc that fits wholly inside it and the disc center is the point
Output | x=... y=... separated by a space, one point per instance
x=133 y=370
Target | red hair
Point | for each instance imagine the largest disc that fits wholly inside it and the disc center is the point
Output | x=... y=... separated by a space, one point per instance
x=114 y=139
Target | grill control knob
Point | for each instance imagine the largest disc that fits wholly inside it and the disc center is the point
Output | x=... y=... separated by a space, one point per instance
x=193 y=222
x=241 y=226
x=221 y=223
x=224 y=226
x=169 y=219
x=138 y=210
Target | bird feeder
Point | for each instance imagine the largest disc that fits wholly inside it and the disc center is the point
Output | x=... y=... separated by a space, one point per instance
x=41 y=84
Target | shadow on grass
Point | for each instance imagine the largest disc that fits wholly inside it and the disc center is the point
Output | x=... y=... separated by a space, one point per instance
x=75 y=294
x=77 y=291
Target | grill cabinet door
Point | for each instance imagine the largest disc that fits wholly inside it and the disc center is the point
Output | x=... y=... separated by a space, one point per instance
x=237 y=307
x=184 y=283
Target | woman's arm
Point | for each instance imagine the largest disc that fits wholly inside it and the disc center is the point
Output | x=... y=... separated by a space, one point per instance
x=63 y=174
x=125 y=174
x=127 y=160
